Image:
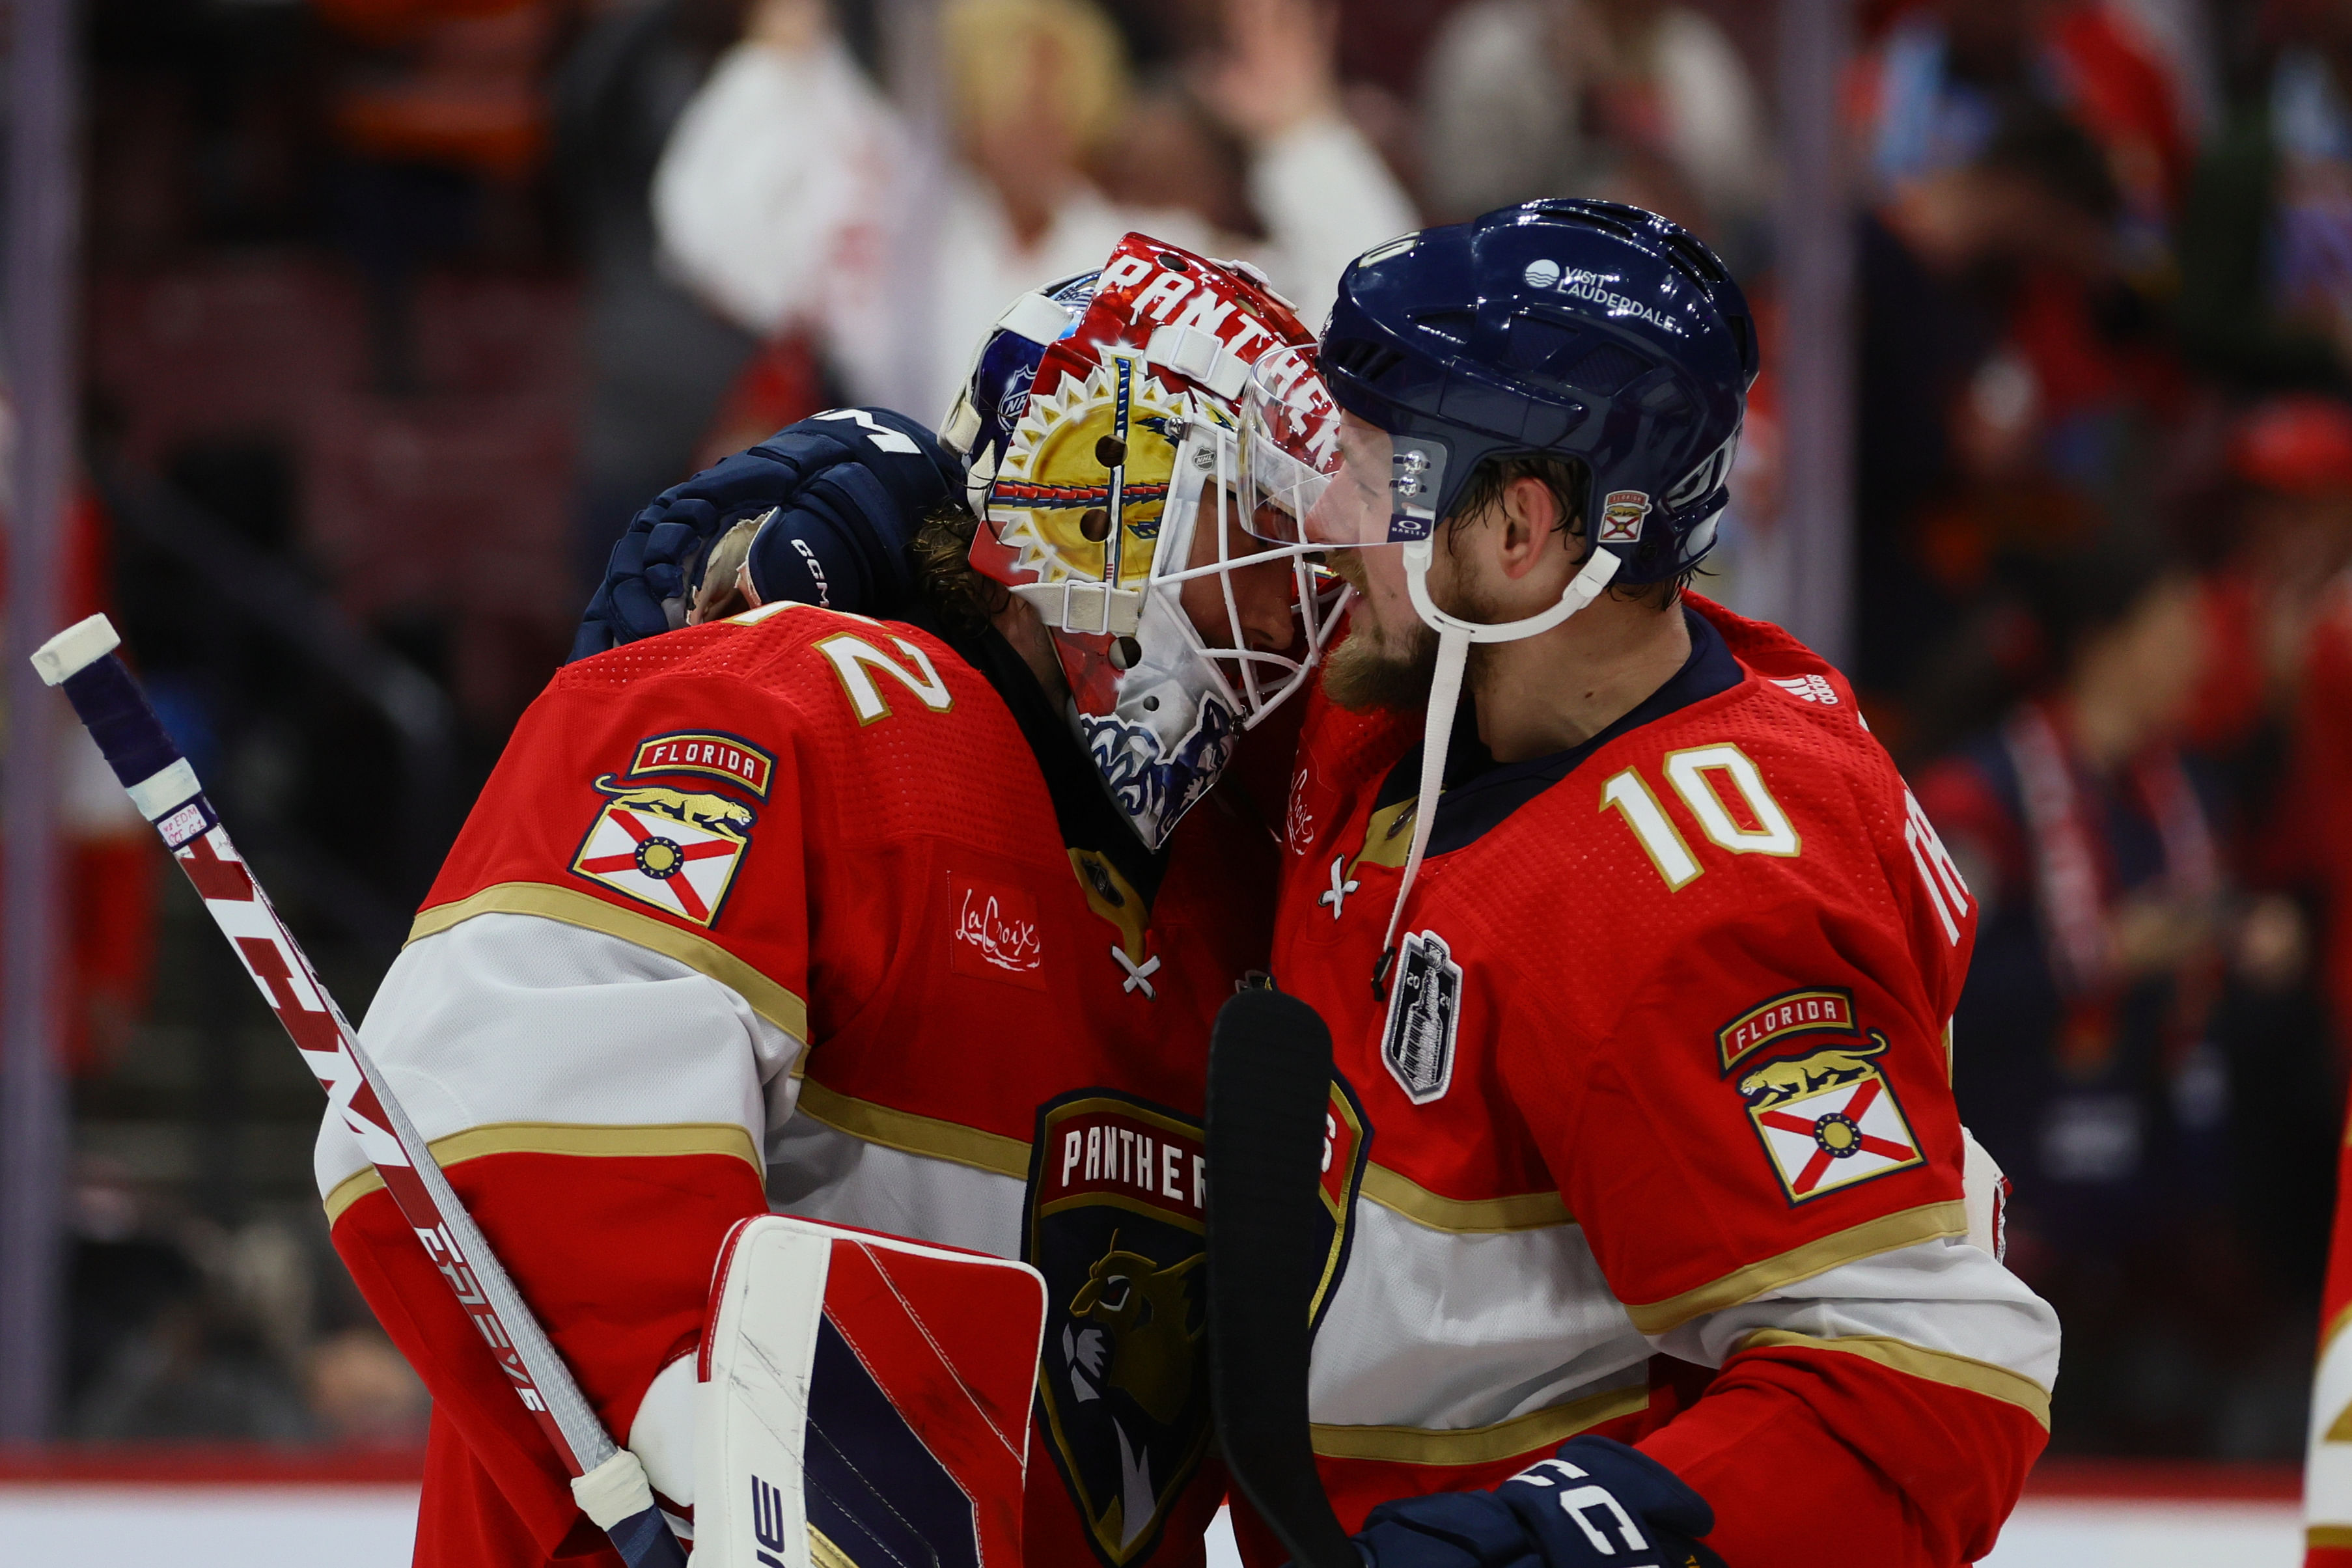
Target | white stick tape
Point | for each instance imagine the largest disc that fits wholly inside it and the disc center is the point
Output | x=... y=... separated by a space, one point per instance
x=75 y=649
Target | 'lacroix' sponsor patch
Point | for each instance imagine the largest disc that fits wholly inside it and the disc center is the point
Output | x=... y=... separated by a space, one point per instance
x=1823 y=1010
x=997 y=935
x=709 y=752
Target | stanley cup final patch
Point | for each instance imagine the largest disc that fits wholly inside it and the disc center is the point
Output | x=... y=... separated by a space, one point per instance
x=1424 y=1009
x=1828 y=1118
x=675 y=849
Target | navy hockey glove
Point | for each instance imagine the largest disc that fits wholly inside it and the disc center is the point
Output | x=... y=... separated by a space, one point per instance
x=1599 y=1505
x=849 y=487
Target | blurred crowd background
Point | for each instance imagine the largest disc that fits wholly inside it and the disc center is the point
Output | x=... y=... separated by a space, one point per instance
x=396 y=311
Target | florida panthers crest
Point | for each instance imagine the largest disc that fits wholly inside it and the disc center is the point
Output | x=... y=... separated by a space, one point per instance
x=1115 y=1221
x=675 y=849
x=1828 y=1118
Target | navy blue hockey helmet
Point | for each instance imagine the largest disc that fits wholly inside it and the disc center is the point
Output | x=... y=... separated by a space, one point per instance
x=1575 y=328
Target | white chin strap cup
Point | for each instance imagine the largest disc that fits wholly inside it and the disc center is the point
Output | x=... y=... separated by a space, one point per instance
x=1455 y=636
x=1599 y=570
x=1071 y=605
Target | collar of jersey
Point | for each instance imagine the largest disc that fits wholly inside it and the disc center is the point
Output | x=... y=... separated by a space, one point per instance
x=1481 y=792
x=1082 y=808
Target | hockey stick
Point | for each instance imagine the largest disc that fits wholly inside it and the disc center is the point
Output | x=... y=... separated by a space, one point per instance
x=610 y=1484
x=1269 y=1091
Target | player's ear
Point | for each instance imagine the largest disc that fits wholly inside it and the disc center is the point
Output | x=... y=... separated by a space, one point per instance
x=1529 y=516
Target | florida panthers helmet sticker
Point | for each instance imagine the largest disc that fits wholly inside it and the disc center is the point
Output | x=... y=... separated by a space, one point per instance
x=1116 y=1216
x=1424 y=1007
x=675 y=849
x=1621 y=512
x=1827 y=1117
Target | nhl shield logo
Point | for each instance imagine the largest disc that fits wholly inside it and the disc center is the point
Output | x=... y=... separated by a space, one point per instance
x=1828 y=1118
x=674 y=849
x=1115 y=1220
x=1418 y=1044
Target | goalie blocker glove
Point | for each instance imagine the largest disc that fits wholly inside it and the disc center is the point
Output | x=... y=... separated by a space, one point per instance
x=847 y=489
x=1598 y=1502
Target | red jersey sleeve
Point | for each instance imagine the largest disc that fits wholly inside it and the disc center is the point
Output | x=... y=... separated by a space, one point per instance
x=594 y=1023
x=1765 y=1154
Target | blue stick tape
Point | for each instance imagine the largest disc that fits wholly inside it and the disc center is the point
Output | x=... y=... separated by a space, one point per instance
x=115 y=712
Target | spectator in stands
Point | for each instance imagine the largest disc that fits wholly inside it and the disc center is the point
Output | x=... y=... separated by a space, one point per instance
x=1642 y=101
x=658 y=359
x=442 y=121
x=1998 y=342
x=2266 y=237
x=787 y=196
x=2295 y=457
x=1938 y=87
x=2085 y=1064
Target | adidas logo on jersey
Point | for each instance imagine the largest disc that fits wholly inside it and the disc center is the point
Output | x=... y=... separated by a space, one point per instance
x=1807 y=688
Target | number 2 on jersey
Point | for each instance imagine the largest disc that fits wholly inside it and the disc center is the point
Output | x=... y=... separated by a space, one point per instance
x=857 y=662
x=1692 y=773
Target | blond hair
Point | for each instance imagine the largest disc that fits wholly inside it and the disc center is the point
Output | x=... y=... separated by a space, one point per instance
x=988 y=46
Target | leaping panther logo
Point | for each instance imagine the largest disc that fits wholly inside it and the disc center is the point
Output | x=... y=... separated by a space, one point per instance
x=714 y=813
x=1777 y=1082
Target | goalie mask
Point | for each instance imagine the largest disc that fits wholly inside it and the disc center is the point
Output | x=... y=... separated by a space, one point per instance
x=1100 y=425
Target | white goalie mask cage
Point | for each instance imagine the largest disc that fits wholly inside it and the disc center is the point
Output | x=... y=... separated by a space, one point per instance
x=1102 y=427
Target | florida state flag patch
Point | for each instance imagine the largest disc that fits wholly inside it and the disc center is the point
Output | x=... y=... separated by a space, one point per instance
x=1828 y=1118
x=674 y=849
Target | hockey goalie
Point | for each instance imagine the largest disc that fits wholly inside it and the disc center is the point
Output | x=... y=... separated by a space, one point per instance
x=915 y=926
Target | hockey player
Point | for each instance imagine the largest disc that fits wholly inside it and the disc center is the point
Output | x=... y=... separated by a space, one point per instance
x=1639 y=962
x=804 y=906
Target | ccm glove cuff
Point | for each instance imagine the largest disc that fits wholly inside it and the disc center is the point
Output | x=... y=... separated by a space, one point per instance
x=847 y=489
x=1598 y=1504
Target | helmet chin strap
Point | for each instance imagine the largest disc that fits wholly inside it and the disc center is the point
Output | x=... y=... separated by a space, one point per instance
x=1455 y=636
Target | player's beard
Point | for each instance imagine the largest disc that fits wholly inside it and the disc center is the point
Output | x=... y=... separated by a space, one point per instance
x=1373 y=668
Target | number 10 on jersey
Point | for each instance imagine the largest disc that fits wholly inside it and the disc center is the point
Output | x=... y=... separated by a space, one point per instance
x=1709 y=778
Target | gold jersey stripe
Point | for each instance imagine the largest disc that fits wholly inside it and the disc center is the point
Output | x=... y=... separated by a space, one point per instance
x=574 y=907
x=1125 y=908
x=1906 y=1227
x=2335 y=1325
x=1387 y=836
x=2327 y=1535
x=1519 y=1211
x=1545 y=1428
x=914 y=1135
x=564 y=1138
x=824 y=1553
x=1943 y=1366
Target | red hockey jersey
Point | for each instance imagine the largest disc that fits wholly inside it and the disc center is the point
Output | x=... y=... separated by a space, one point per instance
x=778 y=908
x=1663 y=1066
